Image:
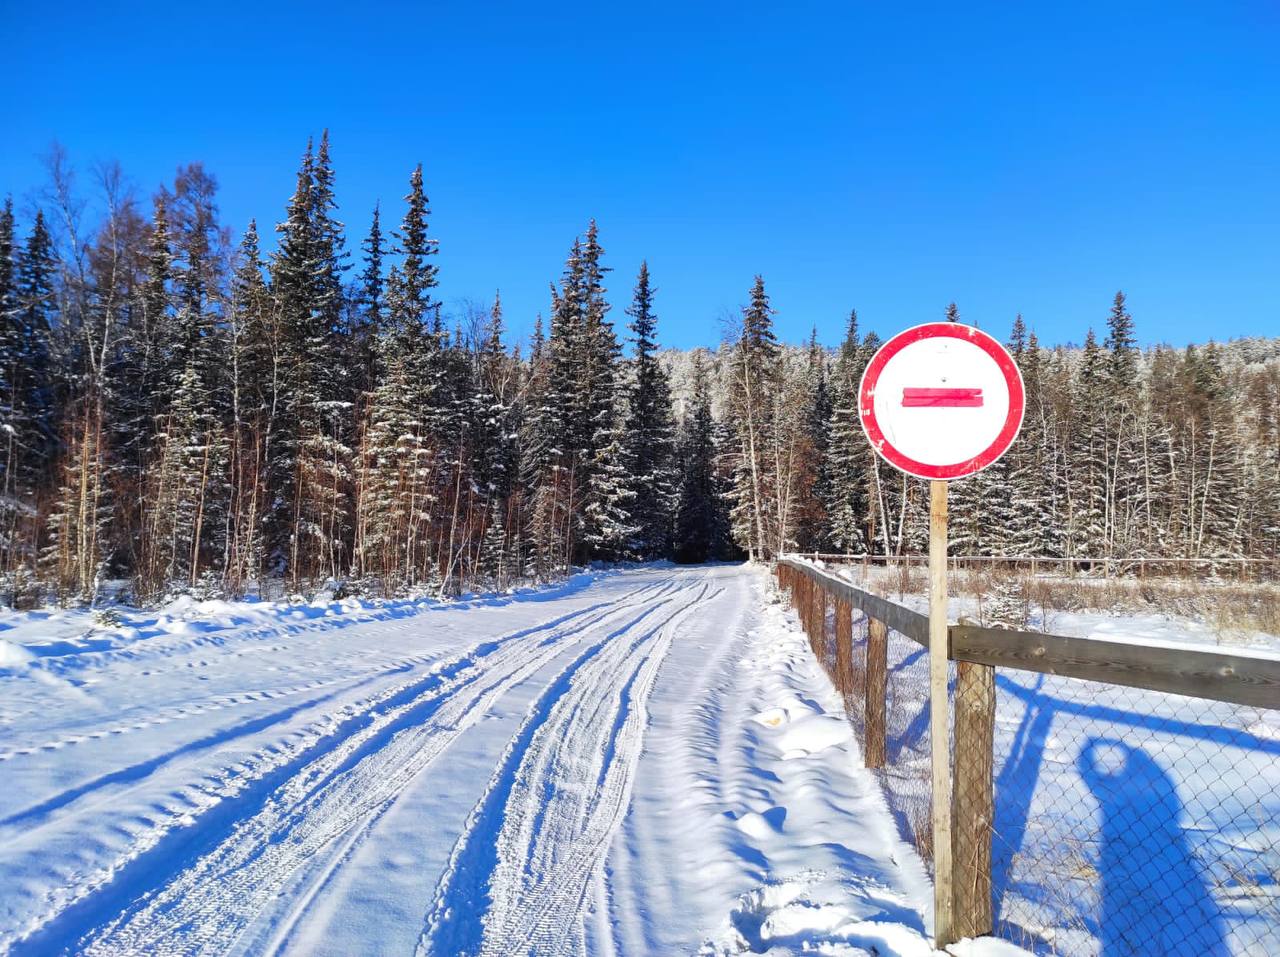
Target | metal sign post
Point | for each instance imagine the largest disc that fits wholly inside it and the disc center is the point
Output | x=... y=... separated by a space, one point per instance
x=941 y=401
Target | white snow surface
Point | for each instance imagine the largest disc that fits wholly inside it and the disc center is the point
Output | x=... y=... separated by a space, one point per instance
x=646 y=761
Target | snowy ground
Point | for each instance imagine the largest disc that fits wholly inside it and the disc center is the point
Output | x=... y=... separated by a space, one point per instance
x=640 y=762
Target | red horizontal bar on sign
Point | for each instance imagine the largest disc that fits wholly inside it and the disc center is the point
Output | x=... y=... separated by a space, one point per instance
x=934 y=398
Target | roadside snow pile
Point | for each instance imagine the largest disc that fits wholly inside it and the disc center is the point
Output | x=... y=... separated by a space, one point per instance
x=813 y=913
x=811 y=832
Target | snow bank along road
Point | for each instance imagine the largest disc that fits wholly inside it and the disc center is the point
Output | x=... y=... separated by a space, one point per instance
x=640 y=762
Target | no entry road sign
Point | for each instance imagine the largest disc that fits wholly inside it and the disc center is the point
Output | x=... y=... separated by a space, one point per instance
x=941 y=401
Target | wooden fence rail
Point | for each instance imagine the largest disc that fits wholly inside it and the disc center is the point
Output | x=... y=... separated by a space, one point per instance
x=1238 y=677
x=1249 y=569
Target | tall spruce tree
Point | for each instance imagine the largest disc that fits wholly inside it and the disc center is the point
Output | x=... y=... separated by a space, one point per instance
x=1087 y=480
x=368 y=305
x=847 y=498
x=607 y=526
x=255 y=382
x=404 y=440
x=812 y=522
x=700 y=523
x=311 y=472
x=31 y=394
x=650 y=432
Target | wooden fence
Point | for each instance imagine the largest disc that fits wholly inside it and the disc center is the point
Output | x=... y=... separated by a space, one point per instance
x=1241 y=569
x=1239 y=678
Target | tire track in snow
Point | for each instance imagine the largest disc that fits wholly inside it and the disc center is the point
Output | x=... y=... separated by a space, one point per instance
x=639 y=887
x=306 y=827
x=284 y=929
x=518 y=879
x=228 y=802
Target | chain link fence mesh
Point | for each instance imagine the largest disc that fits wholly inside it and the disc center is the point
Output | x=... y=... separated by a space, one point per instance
x=1119 y=821
x=1129 y=821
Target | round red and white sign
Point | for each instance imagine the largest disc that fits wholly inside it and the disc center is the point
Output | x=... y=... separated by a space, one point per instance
x=941 y=401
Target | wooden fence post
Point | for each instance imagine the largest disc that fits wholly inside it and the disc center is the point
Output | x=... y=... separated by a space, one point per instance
x=815 y=596
x=877 y=673
x=844 y=647
x=820 y=624
x=972 y=798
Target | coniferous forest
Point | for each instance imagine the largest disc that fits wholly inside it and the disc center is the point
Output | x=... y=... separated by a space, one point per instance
x=182 y=411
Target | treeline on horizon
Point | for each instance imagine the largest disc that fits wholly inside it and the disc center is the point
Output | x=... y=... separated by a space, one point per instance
x=185 y=413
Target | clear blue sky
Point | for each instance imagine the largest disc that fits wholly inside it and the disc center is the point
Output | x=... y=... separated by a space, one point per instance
x=1013 y=157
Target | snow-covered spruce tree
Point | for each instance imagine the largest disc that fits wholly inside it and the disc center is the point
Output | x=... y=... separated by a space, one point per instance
x=497 y=375
x=311 y=467
x=1012 y=516
x=495 y=565
x=1263 y=394
x=607 y=525
x=540 y=451
x=16 y=504
x=793 y=462
x=27 y=446
x=494 y=424
x=367 y=306
x=563 y=437
x=300 y=335
x=811 y=517
x=700 y=520
x=753 y=382
x=969 y=504
x=847 y=496
x=1017 y=516
x=1213 y=457
x=650 y=432
x=1086 y=480
x=461 y=515
x=326 y=459
x=580 y=499
x=1123 y=502
x=405 y=442
x=254 y=383
x=187 y=490
x=397 y=471
x=1005 y=607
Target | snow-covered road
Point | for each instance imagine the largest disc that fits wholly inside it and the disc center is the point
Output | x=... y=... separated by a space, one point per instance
x=639 y=762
